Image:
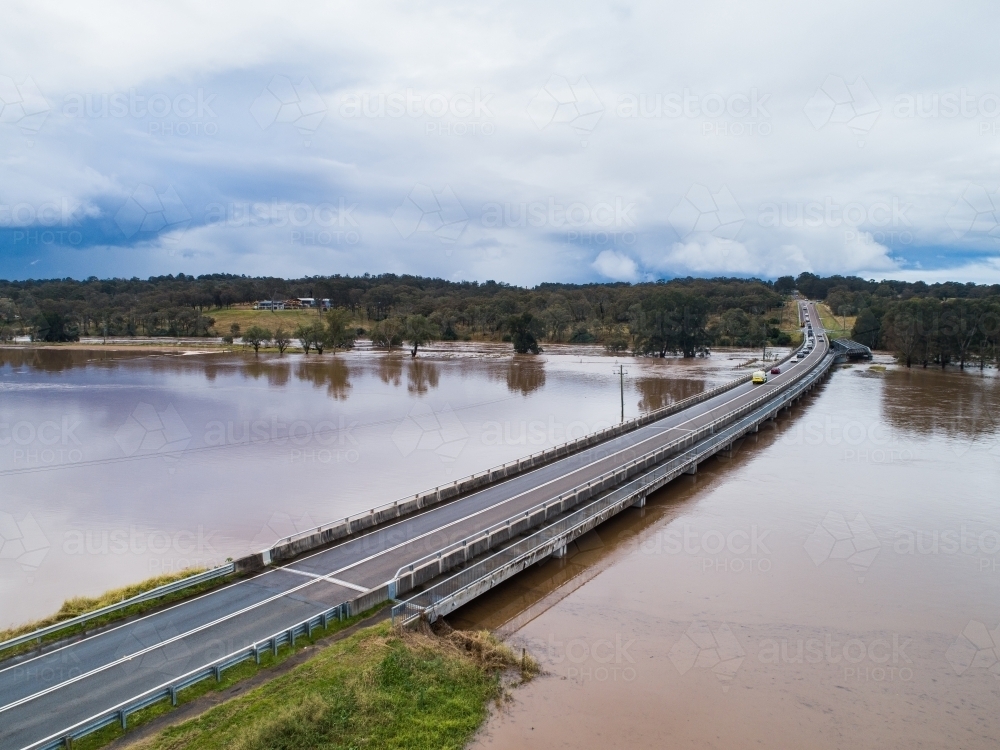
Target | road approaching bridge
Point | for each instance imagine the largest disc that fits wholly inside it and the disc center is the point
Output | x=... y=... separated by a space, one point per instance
x=486 y=534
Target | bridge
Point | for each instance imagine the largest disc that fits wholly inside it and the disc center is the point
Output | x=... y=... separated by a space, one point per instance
x=845 y=349
x=428 y=554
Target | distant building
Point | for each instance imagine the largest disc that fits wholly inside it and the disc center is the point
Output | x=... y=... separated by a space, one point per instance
x=267 y=304
x=307 y=301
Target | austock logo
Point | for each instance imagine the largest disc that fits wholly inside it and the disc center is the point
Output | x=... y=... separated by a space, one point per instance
x=426 y=430
x=148 y=431
x=298 y=104
x=850 y=104
x=977 y=647
x=153 y=214
x=22 y=541
x=423 y=210
x=152 y=646
x=22 y=105
x=703 y=647
x=836 y=538
x=574 y=104
x=703 y=212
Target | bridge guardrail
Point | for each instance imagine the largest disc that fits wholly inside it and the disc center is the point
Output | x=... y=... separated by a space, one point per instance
x=447 y=595
x=447 y=557
x=168 y=588
x=295 y=544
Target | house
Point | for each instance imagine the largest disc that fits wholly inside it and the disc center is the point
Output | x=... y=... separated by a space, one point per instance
x=267 y=304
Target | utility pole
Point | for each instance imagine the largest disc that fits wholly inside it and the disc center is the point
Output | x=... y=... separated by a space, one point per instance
x=621 y=372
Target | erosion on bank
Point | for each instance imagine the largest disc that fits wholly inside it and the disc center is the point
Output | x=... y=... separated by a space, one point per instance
x=379 y=688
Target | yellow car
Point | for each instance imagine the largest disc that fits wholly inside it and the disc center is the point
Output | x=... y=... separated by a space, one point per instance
x=759 y=377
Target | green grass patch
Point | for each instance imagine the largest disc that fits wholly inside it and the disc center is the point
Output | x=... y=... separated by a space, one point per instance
x=81 y=605
x=837 y=327
x=378 y=688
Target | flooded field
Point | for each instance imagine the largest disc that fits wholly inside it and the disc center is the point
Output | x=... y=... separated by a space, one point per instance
x=836 y=583
x=120 y=464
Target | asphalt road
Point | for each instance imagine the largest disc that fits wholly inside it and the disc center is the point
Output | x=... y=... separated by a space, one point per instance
x=41 y=696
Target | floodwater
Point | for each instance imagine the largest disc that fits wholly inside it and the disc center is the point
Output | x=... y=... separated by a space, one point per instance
x=116 y=465
x=834 y=584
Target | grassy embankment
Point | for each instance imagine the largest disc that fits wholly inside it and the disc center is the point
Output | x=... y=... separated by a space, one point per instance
x=81 y=605
x=837 y=327
x=376 y=688
x=790 y=322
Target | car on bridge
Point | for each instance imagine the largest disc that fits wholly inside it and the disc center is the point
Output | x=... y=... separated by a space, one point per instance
x=759 y=377
x=775 y=370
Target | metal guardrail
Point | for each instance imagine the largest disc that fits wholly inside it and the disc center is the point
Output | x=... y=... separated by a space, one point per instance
x=447 y=595
x=119 y=714
x=146 y=596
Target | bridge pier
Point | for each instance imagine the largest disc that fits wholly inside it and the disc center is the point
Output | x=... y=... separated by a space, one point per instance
x=640 y=502
x=692 y=469
x=559 y=552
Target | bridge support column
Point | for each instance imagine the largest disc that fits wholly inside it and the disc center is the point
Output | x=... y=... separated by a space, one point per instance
x=640 y=502
x=560 y=551
x=692 y=469
x=755 y=428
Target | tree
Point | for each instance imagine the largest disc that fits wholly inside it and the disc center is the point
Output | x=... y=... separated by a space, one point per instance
x=234 y=330
x=339 y=334
x=523 y=329
x=784 y=285
x=281 y=340
x=310 y=336
x=387 y=334
x=256 y=336
x=867 y=328
x=418 y=331
x=53 y=326
x=902 y=329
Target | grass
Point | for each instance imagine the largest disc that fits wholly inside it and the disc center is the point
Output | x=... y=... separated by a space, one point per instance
x=81 y=605
x=246 y=317
x=790 y=321
x=377 y=688
x=838 y=327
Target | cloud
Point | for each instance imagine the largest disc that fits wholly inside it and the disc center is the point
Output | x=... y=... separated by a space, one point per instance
x=616 y=266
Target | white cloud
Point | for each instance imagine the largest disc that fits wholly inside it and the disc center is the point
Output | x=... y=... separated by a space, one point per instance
x=616 y=266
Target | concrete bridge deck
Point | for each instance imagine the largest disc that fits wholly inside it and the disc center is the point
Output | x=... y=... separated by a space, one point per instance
x=44 y=696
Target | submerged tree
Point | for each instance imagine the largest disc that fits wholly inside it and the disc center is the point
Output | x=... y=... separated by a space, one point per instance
x=523 y=329
x=257 y=336
x=418 y=331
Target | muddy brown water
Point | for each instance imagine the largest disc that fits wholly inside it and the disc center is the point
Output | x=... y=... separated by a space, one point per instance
x=834 y=584
x=118 y=465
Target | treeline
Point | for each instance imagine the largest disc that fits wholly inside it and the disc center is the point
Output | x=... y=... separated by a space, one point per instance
x=924 y=324
x=682 y=315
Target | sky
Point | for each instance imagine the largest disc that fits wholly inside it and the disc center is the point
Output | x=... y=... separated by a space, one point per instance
x=521 y=142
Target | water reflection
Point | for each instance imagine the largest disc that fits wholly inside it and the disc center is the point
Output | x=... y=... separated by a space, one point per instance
x=390 y=369
x=421 y=376
x=332 y=373
x=525 y=374
x=930 y=402
x=60 y=360
x=659 y=392
x=277 y=373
